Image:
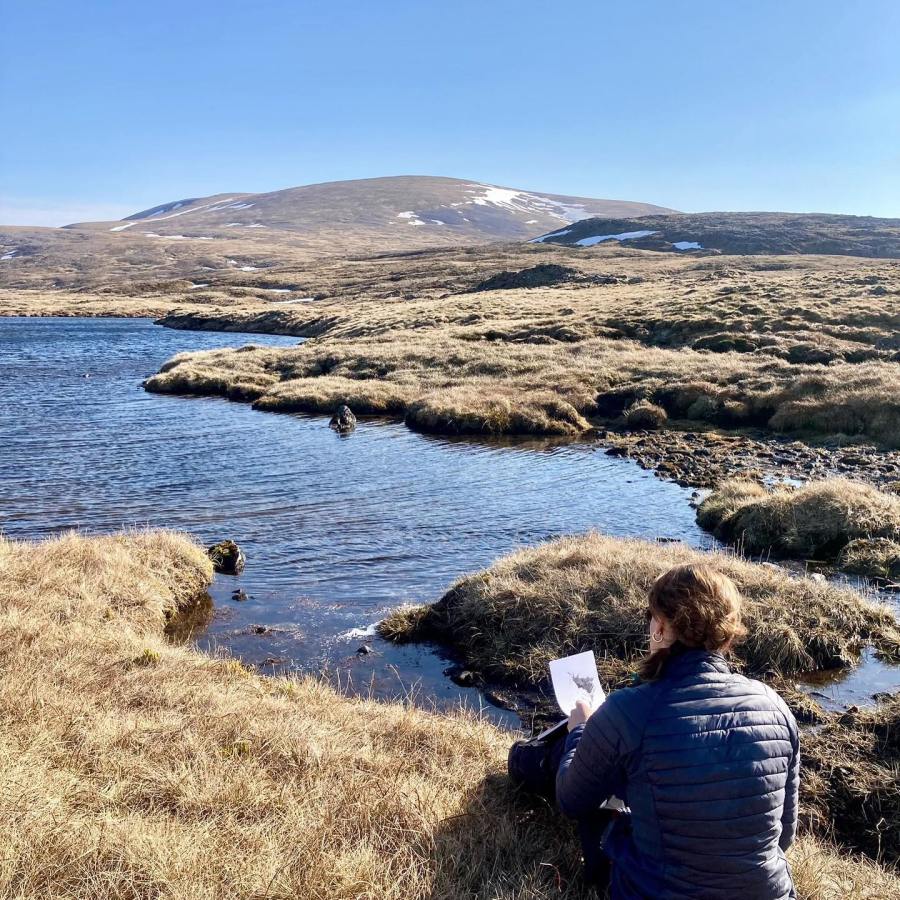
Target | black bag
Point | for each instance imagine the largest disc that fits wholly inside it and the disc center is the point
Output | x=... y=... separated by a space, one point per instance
x=532 y=763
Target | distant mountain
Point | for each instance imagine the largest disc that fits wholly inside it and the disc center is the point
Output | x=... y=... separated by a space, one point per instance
x=739 y=233
x=403 y=211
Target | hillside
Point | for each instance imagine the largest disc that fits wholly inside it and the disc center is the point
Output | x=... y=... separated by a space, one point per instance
x=739 y=234
x=449 y=209
x=242 y=231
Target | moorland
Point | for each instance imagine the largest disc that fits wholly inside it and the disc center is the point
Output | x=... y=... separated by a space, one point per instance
x=128 y=752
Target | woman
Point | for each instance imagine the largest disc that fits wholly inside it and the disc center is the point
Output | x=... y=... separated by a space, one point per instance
x=706 y=760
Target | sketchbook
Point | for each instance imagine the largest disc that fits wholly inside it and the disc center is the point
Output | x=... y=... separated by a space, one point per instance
x=575 y=678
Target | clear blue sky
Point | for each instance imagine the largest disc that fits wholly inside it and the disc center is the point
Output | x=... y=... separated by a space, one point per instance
x=111 y=106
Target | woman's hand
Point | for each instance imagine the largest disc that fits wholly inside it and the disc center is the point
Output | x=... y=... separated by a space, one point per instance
x=580 y=714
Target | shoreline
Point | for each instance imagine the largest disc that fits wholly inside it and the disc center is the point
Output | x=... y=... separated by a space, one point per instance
x=690 y=453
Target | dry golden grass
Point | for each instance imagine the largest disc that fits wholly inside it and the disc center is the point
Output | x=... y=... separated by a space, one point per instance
x=802 y=346
x=133 y=768
x=590 y=592
x=797 y=344
x=817 y=520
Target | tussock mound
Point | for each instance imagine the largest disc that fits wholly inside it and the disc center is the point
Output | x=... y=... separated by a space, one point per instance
x=835 y=518
x=589 y=592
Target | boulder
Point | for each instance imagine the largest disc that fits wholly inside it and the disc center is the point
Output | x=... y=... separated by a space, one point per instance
x=343 y=421
x=227 y=558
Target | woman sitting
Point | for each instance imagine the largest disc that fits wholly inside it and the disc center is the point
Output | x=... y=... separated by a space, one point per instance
x=706 y=760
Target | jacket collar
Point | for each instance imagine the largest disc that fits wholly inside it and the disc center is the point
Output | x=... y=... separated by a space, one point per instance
x=690 y=660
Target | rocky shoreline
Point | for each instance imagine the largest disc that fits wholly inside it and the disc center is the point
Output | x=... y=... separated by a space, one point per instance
x=702 y=459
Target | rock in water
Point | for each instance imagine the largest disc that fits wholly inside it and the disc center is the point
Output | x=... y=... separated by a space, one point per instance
x=227 y=558
x=343 y=420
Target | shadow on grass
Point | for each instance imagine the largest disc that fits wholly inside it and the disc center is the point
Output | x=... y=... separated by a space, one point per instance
x=507 y=845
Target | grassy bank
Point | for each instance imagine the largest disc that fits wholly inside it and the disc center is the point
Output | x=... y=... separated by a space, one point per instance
x=590 y=592
x=854 y=524
x=786 y=345
x=135 y=768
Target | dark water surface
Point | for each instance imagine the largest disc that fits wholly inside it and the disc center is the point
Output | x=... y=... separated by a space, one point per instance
x=337 y=530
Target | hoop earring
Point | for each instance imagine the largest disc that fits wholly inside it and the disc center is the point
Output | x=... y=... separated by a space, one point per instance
x=656 y=637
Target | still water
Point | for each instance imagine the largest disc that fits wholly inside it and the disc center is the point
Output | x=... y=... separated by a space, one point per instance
x=337 y=529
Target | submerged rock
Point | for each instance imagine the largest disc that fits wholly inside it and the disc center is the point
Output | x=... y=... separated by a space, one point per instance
x=343 y=420
x=227 y=558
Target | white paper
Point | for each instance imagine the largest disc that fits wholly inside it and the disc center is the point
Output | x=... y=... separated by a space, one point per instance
x=575 y=678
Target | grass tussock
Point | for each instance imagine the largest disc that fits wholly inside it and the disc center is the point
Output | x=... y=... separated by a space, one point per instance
x=590 y=592
x=132 y=767
x=854 y=522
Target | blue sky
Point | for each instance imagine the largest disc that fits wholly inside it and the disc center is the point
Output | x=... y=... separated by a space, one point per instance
x=110 y=107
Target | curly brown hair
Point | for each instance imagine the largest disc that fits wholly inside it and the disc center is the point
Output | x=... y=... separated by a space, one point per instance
x=702 y=605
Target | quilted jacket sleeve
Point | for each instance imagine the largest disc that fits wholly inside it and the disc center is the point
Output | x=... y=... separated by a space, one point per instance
x=791 y=792
x=592 y=766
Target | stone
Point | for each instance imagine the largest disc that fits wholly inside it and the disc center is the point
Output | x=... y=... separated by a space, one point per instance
x=343 y=421
x=227 y=558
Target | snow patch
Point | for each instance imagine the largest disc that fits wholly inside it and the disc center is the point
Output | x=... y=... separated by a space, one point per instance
x=9 y=255
x=156 y=217
x=123 y=227
x=249 y=268
x=199 y=284
x=624 y=236
x=687 y=245
x=411 y=217
x=293 y=300
x=524 y=202
x=544 y=237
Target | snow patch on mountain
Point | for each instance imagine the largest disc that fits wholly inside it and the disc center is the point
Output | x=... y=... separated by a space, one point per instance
x=412 y=218
x=624 y=236
x=9 y=255
x=123 y=227
x=544 y=237
x=525 y=202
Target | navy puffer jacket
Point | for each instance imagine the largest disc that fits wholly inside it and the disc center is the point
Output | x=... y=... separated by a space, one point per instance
x=708 y=763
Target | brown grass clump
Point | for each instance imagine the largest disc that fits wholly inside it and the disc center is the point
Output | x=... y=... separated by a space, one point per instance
x=819 y=519
x=876 y=558
x=590 y=592
x=645 y=415
x=135 y=768
x=468 y=410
